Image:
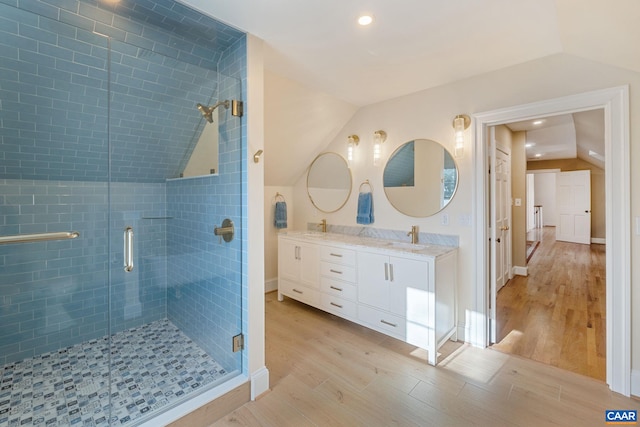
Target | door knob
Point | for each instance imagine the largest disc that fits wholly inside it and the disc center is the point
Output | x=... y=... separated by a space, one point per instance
x=505 y=228
x=587 y=211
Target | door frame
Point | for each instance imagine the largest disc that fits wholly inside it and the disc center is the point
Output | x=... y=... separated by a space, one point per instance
x=615 y=103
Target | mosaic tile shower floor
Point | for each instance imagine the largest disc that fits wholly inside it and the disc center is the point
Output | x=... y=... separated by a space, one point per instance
x=154 y=366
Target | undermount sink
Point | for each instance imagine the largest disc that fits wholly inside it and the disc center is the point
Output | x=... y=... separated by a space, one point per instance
x=315 y=235
x=405 y=245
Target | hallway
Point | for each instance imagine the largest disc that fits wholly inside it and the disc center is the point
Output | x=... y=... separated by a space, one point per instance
x=556 y=315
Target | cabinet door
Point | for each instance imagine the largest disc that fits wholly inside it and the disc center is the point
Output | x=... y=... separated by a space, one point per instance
x=288 y=265
x=409 y=295
x=309 y=265
x=373 y=283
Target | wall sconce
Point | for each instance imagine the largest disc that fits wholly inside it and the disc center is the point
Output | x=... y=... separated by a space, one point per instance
x=379 y=137
x=460 y=123
x=352 y=142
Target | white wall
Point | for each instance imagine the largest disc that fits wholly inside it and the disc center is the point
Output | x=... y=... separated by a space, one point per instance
x=428 y=114
x=545 y=195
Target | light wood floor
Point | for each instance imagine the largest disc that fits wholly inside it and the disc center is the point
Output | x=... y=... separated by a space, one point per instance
x=326 y=371
x=556 y=315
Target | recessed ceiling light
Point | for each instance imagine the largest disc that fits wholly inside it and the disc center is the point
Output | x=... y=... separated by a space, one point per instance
x=365 y=20
x=538 y=155
x=537 y=122
x=529 y=144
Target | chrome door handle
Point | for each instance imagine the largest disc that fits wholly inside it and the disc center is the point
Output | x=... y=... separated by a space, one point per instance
x=128 y=249
x=386 y=271
x=391 y=272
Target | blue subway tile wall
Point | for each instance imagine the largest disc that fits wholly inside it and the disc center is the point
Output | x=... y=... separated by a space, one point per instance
x=60 y=82
x=139 y=296
x=154 y=122
x=78 y=109
x=53 y=294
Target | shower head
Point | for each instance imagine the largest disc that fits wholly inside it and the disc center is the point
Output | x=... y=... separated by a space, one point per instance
x=207 y=112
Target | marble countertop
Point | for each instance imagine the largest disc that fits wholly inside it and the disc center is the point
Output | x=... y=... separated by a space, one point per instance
x=369 y=242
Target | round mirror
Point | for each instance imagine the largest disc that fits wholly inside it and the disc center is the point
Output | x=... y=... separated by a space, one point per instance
x=329 y=182
x=420 y=178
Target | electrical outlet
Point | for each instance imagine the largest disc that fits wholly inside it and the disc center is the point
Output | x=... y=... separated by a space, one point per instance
x=444 y=219
x=518 y=202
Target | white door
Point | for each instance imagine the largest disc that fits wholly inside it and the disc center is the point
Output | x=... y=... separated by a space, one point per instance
x=503 y=218
x=500 y=213
x=573 y=202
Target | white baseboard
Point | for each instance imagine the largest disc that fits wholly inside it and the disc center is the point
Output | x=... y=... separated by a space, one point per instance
x=259 y=382
x=463 y=333
x=271 y=285
x=520 y=271
x=635 y=382
x=598 y=240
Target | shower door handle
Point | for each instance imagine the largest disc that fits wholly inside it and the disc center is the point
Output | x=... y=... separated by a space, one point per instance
x=128 y=249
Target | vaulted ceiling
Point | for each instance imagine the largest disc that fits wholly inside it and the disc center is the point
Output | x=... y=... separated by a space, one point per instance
x=418 y=44
x=316 y=50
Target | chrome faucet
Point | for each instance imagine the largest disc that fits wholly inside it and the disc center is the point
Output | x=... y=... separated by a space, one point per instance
x=323 y=225
x=414 y=233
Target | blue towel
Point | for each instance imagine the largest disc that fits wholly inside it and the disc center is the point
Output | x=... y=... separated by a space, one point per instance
x=365 y=209
x=280 y=217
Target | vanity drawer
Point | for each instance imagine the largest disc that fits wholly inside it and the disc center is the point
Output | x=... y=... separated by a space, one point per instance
x=338 y=306
x=337 y=271
x=298 y=292
x=338 y=255
x=338 y=289
x=382 y=321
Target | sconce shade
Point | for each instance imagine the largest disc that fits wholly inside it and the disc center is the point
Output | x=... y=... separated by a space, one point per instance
x=460 y=123
x=352 y=141
x=379 y=137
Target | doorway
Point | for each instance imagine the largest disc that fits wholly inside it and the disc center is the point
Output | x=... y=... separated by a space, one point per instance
x=554 y=312
x=615 y=103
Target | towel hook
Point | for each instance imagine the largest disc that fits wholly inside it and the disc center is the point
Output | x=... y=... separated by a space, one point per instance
x=256 y=157
x=280 y=197
x=366 y=182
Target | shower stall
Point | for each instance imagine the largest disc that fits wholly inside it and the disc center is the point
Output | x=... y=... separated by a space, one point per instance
x=117 y=299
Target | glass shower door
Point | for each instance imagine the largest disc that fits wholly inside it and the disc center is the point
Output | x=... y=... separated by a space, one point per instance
x=176 y=287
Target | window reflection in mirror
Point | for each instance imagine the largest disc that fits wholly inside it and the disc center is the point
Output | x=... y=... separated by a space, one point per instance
x=329 y=182
x=420 y=178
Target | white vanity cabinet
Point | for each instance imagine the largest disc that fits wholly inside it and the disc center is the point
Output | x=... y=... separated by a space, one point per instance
x=298 y=270
x=412 y=299
x=409 y=295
